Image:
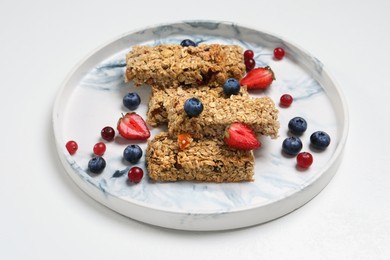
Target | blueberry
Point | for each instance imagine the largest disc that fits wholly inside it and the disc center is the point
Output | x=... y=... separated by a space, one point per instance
x=131 y=101
x=320 y=140
x=132 y=153
x=188 y=42
x=292 y=145
x=193 y=107
x=297 y=125
x=97 y=164
x=231 y=87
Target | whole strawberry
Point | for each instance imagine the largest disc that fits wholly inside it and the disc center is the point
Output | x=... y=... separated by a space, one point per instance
x=241 y=136
x=258 y=78
x=132 y=126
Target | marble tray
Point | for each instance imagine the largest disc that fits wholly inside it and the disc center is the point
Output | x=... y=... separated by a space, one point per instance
x=91 y=97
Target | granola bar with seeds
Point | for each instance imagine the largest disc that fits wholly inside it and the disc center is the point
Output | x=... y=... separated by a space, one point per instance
x=161 y=98
x=166 y=64
x=204 y=160
x=218 y=113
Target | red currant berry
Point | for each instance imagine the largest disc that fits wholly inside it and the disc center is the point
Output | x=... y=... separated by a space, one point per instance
x=278 y=53
x=250 y=64
x=72 y=147
x=248 y=54
x=304 y=160
x=286 y=100
x=99 y=149
x=108 y=133
x=135 y=174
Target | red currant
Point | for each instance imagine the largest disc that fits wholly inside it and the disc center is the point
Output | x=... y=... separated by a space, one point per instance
x=278 y=53
x=72 y=147
x=304 y=160
x=286 y=100
x=108 y=133
x=248 y=54
x=135 y=174
x=99 y=149
x=250 y=64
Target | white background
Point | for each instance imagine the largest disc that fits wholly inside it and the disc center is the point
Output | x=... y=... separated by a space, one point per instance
x=44 y=215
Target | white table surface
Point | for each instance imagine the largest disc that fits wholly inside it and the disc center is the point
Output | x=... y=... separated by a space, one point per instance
x=44 y=215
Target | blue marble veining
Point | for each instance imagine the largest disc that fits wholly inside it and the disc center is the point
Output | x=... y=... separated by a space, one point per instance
x=275 y=174
x=303 y=88
x=106 y=76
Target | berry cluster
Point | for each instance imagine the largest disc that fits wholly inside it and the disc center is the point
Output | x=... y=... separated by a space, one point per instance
x=292 y=145
x=130 y=126
x=249 y=60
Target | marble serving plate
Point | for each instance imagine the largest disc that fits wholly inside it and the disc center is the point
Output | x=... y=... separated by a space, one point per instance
x=91 y=98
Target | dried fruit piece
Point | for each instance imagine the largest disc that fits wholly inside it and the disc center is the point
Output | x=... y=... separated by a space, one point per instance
x=184 y=140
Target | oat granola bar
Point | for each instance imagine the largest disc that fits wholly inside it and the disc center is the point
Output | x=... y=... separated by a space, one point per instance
x=218 y=113
x=168 y=64
x=206 y=160
x=160 y=98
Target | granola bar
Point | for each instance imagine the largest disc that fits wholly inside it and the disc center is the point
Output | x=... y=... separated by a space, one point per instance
x=218 y=113
x=206 y=160
x=171 y=64
x=161 y=98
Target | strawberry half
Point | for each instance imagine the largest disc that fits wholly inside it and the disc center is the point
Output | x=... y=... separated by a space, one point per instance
x=258 y=78
x=241 y=136
x=132 y=126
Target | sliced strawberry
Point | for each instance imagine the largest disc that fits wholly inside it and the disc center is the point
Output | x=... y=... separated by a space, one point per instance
x=132 y=126
x=258 y=78
x=241 y=136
